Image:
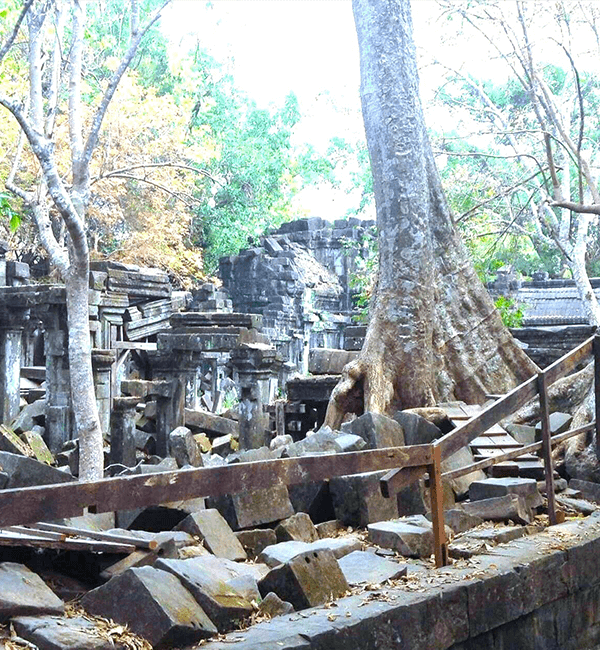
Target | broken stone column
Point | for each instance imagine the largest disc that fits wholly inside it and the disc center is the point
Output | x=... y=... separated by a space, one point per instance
x=254 y=364
x=56 y=348
x=12 y=324
x=122 y=431
x=102 y=362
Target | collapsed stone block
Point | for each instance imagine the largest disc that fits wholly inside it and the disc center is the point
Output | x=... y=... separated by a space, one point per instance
x=154 y=604
x=377 y=430
x=24 y=593
x=497 y=487
x=462 y=458
x=184 y=447
x=314 y=498
x=307 y=580
x=223 y=604
x=362 y=567
x=411 y=537
x=509 y=506
x=255 y=541
x=26 y=472
x=417 y=430
x=357 y=500
x=271 y=605
x=298 y=527
x=214 y=531
x=61 y=633
x=251 y=509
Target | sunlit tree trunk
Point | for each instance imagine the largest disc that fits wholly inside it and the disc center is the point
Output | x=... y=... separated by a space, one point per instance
x=434 y=333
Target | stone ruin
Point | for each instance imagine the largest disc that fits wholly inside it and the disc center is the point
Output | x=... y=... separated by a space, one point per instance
x=167 y=366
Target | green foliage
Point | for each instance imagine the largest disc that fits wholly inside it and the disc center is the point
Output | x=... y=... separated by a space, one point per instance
x=510 y=311
x=365 y=258
x=7 y=211
x=256 y=170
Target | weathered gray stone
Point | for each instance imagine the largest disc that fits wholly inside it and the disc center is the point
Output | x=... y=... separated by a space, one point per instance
x=298 y=527
x=509 y=506
x=256 y=540
x=251 y=509
x=307 y=580
x=214 y=531
x=377 y=430
x=30 y=415
x=357 y=499
x=328 y=528
x=282 y=552
x=314 y=498
x=460 y=521
x=159 y=608
x=211 y=423
x=411 y=538
x=246 y=586
x=271 y=605
x=184 y=448
x=559 y=423
x=498 y=535
x=588 y=490
x=579 y=505
x=62 y=633
x=24 y=593
x=322 y=441
x=360 y=567
x=339 y=546
x=462 y=458
x=25 y=472
x=417 y=430
x=497 y=487
x=223 y=605
x=346 y=442
x=328 y=361
x=522 y=433
x=412 y=499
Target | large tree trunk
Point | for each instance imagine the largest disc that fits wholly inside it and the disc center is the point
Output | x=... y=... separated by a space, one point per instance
x=434 y=333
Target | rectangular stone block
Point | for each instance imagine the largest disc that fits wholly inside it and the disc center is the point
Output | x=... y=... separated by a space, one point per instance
x=307 y=580
x=357 y=500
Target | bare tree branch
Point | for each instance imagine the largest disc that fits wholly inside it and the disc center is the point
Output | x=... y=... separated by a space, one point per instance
x=136 y=37
x=11 y=38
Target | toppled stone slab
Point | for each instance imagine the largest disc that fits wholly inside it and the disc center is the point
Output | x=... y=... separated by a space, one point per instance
x=339 y=546
x=255 y=541
x=30 y=415
x=497 y=487
x=411 y=537
x=298 y=527
x=251 y=509
x=504 y=508
x=214 y=531
x=210 y=423
x=24 y=593
x=271 y=605
x=223 y=604
x=559 y=423
x=61 y=633
x=499 y=535
x=184 y=447
x=462 y=458
x=307 y=580
x=159 y=608
x=26 y=472
x=314 y=498
x=328 y=361
x=328 y=528
x=357 y=499
x=377 y=430
x=362 y=567
x=417 y=430
x=285 y=551
x=459 y=521
x=347 y=442
x=587 y=489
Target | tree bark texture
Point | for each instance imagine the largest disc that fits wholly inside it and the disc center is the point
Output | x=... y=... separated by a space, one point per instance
x=434 y=333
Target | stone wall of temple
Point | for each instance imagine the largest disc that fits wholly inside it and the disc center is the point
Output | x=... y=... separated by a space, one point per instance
x=298 y=279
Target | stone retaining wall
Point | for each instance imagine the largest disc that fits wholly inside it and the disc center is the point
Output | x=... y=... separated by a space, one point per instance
x=537 y=593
